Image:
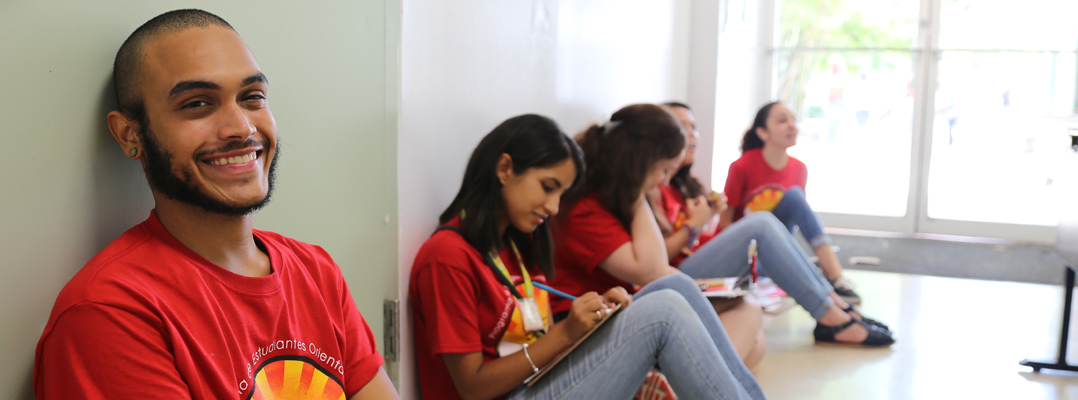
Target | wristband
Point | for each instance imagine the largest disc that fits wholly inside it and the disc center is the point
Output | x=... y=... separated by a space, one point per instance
x=693 y=234
x=529 y=357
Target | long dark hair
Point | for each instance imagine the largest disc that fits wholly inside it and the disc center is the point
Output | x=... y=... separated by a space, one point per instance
x=531 y=141
x=751 y=139
x=683 y=181
x=688 y=185
x=621 y=152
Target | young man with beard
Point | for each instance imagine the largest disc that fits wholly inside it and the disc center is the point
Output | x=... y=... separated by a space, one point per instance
x=194 y=302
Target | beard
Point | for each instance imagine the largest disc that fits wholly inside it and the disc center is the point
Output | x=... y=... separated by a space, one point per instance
x=180 y=186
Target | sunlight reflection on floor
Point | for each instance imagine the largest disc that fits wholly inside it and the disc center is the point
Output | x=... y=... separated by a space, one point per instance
x=957 y=338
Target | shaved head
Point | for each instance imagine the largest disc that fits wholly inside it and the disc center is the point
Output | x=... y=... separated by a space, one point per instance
x=127 y=68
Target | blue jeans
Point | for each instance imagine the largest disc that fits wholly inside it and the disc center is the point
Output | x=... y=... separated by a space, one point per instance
x=726 y=255
x=687 y=288
x=660 y=329
x=793 y=210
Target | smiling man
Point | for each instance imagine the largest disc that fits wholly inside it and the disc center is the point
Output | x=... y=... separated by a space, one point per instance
x=194 y=302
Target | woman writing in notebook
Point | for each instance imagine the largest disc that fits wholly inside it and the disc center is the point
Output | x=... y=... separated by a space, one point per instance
x=482 y=322
x=607 y=235
x=765 y=178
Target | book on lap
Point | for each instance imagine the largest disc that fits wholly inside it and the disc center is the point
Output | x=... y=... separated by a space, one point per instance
x=729 y=287
x=543 y=371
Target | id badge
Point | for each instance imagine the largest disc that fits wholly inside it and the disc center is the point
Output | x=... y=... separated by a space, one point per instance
x=529 y=312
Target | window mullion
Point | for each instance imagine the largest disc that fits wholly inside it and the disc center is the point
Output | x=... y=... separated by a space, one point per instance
x=769 y=16
x=926 y=81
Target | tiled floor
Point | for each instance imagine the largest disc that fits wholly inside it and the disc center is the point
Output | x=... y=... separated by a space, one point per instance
x=957 y=339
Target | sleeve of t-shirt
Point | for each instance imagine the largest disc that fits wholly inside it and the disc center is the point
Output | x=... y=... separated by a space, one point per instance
x=364 y=361
x=593 y=234
x=447 y=298
x=97 y=351
x=735 y=186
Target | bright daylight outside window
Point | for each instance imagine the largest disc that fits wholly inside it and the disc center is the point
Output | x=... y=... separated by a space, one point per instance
x=1006 y=79
x=1002 y=80
x=846 y=69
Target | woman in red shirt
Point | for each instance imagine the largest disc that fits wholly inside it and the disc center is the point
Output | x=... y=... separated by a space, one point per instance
x=608 y=235
x=482 y=320
x=742 y=317
x=765 y=178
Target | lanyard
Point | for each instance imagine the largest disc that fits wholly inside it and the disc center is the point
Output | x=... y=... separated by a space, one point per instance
x=529 y=289
x=529 y=310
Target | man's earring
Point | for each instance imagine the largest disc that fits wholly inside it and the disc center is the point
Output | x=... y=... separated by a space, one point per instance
x=133 y=152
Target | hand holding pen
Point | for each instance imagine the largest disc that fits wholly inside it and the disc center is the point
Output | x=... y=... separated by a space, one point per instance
x=611 y=298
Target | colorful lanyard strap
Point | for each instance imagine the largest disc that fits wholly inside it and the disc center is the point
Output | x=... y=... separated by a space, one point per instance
x=529 y=289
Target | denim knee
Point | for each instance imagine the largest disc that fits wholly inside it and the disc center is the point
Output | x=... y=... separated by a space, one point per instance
x=766 y=217
x=681 y=283
x=664 y=305
x=796 y=192
x=800 y=214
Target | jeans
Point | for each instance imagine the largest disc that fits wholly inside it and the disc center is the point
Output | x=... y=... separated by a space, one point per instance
x=660 y=329
x=778 y=253
x=793 y=210
x=687 y=288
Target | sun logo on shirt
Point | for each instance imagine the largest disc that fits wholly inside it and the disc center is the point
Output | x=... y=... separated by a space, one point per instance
x=766 y=200
x=295 y=377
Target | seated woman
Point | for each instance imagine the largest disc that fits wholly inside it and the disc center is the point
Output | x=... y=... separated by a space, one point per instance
x=684 y=223
x=482 y=325
x=765 y=178
x=608 y=236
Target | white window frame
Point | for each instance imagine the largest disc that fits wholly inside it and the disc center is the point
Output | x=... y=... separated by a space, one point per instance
x=916 y=221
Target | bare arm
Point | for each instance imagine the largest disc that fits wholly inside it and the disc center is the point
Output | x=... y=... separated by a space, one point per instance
x=726 y=217
x=699 y=213
x=475 y=379
x=380 y=387
x=643 y=259
x=675 y=242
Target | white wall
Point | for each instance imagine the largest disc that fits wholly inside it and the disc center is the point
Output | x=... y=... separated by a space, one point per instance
x=704 y=26
x=67 y=190
x=468 y=65
x=742 y=65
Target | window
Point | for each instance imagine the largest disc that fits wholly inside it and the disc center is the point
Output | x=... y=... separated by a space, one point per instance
x=897 y=121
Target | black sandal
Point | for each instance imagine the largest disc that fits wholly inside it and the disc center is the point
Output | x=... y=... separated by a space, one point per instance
x=850 y=308
x=876 y=338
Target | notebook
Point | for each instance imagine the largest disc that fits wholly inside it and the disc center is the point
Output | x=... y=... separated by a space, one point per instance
x=731 y=287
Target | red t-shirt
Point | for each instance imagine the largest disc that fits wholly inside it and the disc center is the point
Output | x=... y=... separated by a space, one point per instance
x=752 y=185
x=588 y=235
x=149 y=318
x=459 y=306
x=674 y=206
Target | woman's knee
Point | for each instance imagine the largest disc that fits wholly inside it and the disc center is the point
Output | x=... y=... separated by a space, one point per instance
x=664 y=303
x=767 y=222
x=681 y=283
x=757 y=352
x=794 y=193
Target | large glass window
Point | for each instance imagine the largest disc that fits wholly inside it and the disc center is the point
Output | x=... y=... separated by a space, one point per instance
x=846 y=68
x=965 y=102
x=1006 y=72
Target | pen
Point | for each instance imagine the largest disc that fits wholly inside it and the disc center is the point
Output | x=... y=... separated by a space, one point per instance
x=553 y=291
x=752 y=259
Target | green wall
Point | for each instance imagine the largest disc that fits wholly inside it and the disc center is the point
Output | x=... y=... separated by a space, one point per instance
x=66 y=189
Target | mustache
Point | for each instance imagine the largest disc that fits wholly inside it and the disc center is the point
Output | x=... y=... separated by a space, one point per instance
x=232 y=146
